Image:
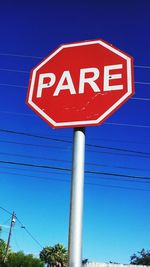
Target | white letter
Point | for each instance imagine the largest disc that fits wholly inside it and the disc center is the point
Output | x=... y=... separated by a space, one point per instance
x=108 y=76
x=42 y=85
x=90 y=81
x=66 y=75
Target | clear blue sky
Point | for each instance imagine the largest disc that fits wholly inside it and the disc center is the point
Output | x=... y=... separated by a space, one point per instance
x=116 y=209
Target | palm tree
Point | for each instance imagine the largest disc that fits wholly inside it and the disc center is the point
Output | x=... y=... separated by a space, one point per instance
x=61 y=255
x=55 y=256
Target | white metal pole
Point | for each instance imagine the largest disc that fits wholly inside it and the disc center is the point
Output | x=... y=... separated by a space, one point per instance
x=76 y=203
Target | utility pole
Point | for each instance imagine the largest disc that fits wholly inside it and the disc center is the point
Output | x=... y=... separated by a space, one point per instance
x=10 y=232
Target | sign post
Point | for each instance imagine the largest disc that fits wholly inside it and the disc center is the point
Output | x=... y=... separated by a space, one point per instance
x=80 y=84
x=76 y=203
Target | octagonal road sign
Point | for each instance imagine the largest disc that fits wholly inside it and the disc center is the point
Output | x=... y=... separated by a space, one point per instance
x=81 y=84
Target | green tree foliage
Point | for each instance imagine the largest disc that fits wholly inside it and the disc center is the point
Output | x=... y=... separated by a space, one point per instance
x=2 y=251
x=55 y=256
x=19 y=259
x=141 y=258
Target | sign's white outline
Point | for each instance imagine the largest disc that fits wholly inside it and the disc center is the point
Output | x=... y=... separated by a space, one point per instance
x=86 y=122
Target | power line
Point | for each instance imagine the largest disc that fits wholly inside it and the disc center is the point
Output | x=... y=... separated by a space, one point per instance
x=119 y=187
x=41 y=57
x=13 y=70
x=93 y=164
x=67 y=141
x=18 y=114
x=7 y=211
x=68 y=161
x=35 y=157
x=144 y=83
x=34 y=165
x=32 y=170
x=27 y=72
x=119 y=149
x=105 y=123
x=64 y=148
x=13 y=85
x=118 y=175
x=140 y=98
x=124 y=141
x=128 y=125
x=88 y=183
x=69 y=170
x=17 y=55
x=33 y=135
x=117 y=154
x=29 y=144
x=129 y=179
x=29 y=233
x=142 y=67
x=37 y=177
x=43 y=137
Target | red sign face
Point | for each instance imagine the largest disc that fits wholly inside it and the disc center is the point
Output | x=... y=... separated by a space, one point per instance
x=81 y=84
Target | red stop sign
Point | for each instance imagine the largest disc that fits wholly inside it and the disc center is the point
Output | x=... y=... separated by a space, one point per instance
x=81 y=84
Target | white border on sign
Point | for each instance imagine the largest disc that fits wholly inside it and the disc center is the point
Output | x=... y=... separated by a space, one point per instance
x=105 y=114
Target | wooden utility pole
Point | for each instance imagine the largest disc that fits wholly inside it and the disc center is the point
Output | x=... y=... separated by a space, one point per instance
x=10 y=232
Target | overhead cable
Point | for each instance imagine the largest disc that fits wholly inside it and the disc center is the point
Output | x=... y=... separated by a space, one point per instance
x=7 y=211
x=29 y=233
x=68 y=161
x=69 y=170
x=87 y=183
x=67 y=141
x=22 y=225
x=41 y=57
